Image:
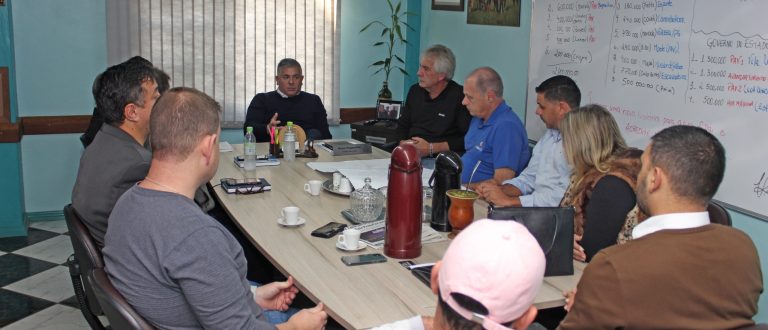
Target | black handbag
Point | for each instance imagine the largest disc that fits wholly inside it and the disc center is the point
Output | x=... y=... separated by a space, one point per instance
x=553 y=229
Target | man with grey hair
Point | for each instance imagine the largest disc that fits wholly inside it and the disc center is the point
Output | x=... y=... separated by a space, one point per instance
x=433 y=118
x=287 y=103
x=496 y=143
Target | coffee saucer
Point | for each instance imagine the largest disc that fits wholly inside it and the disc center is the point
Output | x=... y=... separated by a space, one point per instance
x=282 y=222
x=360 y=246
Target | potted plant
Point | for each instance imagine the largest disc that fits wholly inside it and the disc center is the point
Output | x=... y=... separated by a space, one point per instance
x=391 y=35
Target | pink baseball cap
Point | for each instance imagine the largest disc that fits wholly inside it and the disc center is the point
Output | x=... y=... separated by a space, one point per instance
x=499 y=264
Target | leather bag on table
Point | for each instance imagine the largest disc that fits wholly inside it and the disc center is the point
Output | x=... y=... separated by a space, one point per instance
x=553 y=229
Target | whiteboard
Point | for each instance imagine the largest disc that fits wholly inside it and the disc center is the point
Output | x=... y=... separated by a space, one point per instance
x=657 y=63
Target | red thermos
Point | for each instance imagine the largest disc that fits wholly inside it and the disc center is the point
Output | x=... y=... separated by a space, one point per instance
x=404 y=204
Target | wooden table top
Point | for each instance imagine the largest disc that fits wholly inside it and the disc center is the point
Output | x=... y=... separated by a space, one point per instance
x=358 y=297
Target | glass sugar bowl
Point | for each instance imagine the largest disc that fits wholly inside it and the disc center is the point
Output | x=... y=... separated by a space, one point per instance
x=366 y=202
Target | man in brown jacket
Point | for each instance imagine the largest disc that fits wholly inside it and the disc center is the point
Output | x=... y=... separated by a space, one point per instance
x=680 y=271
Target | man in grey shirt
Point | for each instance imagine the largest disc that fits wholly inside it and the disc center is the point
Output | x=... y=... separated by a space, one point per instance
x=178 y=267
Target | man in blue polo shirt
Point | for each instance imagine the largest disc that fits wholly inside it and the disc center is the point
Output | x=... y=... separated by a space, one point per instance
x=496 y=142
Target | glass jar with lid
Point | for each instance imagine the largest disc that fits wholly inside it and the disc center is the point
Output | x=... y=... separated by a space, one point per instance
x=366 y=203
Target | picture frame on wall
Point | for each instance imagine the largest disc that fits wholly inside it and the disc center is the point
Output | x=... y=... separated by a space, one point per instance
x=497 y=12
x=452 y=5
x=388 y=109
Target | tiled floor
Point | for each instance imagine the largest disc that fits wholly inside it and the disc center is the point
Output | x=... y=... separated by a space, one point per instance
x=35 y=287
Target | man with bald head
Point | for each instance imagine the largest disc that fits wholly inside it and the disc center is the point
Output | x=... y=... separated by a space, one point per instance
x=496 y=143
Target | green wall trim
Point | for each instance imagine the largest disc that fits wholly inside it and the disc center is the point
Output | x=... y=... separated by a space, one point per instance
x=44 y=216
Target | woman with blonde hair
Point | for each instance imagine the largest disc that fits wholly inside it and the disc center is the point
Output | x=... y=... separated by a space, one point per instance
x=602 y=188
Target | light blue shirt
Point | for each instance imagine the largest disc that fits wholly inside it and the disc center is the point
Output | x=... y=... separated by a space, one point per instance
x=544 y=181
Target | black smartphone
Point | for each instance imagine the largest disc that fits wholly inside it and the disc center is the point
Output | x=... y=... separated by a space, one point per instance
x=363 y=259
x=329 y=230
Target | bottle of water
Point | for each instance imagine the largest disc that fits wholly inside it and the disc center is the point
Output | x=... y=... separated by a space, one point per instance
x=289 y=143
x=249 y=147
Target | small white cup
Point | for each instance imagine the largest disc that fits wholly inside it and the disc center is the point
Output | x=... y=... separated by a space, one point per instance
x=313 y=187
x=350 y=238
x=290 y=215
x=336 y=180
x=345 y=186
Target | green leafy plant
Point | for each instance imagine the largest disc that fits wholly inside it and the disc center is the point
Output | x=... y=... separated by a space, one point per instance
x=391 y=35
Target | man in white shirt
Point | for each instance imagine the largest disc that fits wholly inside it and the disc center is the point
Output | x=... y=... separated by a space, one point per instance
x=487 y=279
x=679 y=271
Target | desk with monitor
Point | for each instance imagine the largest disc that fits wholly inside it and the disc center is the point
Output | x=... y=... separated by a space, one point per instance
x=357 y=297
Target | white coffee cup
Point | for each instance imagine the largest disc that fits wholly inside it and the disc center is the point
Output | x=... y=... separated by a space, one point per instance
x=313 y=187
x=345 y=186
x=290 y=215
x=336 y=180
x=350 y=238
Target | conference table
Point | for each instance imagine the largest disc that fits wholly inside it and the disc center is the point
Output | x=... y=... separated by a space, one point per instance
x=358 y=297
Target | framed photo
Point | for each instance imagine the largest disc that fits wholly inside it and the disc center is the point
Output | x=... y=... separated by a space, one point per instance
x=388 y=109
x=454 y=5
x=494 y=12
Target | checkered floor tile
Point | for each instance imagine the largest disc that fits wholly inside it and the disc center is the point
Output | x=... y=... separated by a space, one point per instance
x=35 y=286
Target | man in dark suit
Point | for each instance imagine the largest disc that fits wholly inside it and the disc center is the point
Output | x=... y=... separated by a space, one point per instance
x=117 y=158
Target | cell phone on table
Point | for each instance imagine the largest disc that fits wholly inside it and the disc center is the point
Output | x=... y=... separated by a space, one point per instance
x=329 y=230
x=363 y=259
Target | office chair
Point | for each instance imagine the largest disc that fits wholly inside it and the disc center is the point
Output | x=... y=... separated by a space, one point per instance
x=120 y=314
x=87 y=256
x=718 y=214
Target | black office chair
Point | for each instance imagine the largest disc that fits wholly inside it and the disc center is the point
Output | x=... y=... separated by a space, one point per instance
x=119 y=313
x=718 y=214
x=87 y=256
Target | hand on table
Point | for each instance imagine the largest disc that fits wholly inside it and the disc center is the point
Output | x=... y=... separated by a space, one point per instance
x=570 y=297
x=578 y=251
x=309 y=318
x=492 y=193
x=276 y=295
x=422 y=146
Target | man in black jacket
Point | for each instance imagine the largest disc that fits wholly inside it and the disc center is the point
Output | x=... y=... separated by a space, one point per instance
x=287 y=103
x=433 y=118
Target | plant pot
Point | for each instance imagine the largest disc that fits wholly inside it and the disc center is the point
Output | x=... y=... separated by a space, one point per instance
x=462 y=210
x=385 y=93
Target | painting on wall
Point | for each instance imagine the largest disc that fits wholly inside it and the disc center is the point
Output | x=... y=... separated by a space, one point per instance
x=454 y=5
x=494 y=12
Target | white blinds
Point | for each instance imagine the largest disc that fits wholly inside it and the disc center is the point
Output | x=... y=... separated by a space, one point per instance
x=230 y=48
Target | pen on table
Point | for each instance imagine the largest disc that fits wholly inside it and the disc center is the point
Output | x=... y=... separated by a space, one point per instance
x=411 y=267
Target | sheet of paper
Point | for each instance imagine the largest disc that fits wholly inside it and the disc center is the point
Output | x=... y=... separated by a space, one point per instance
x=224 y=146
x=373 y=234
x=357 y=170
